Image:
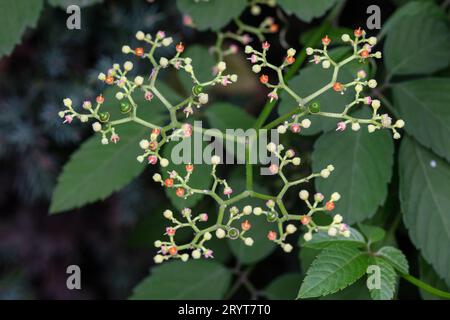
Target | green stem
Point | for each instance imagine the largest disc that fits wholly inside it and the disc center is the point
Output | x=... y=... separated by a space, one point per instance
x=422 y=285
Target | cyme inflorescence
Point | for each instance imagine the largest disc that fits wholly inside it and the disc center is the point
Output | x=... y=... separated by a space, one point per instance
x=232 y=221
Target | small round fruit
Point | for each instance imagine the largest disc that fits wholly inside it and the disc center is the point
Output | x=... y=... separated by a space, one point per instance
x=197 y=89
x=125 y=107
x=272 y=216
x=314 y=107
x=103 y=116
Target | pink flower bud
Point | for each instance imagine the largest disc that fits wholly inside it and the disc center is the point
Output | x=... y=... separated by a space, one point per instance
x=170 y=231
x=295 y=128
x=265 y=45
x=204 y=217
x=148 y=95
x=68 y=119
x=341 y=126
x=115 y=138
x=368 y=100
x=227 y=191
x=273 y=168
x=152 y=159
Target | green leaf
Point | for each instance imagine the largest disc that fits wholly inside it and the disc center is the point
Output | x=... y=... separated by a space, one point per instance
x=388 y=280
x=192 y=280
x=306 y=10
x=395 y=257
x=423 y=104
x=372 y=233
x=322 y=240
x=16 y=16
x=66 y=3
x=200 y=179
x=225 y=115
x=363 y=168
x=95 y=171
x=411 y=9
x=429 y=276
x=212 y=14
x=356 y=291
x=285 y=287
x=335 y=268
x=424 y=190
x=262 y=247
x=202 y=62
x=314 y=77
x=417 y=45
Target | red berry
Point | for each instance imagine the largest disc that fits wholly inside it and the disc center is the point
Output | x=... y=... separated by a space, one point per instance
x=109 y=80
x=180 y=47
x=305 y=220
x=264 y=79
x=338 y=87
x=295 y=128
x=100 y=99
x=139 y=52
x=156 y=131
x=189 y=168
x=329 y=205
x=273 y=28
x=168 y=182
x=180 y=192
x=290 y=60
x=246 y=225
x=272 y=235
x=326 y=41
x=358 y=32
x=364 y=54
x=172 y=251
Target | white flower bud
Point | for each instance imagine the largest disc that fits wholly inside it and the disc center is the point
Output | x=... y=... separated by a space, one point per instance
x=325 y=173
x=140 y=159
x=188 y=68
x=138 y=81
x=345 y=37
x=346 y=233
x=163 y=62
x=257 y=211
x=248 y=241
x=281 y=129
x=116 y=66
x=140 y=35
x=221 y=66
x=84 y=118
x=372 y=83
x=307 y=236
x=184 y=257
x=207 y=236
x=291 y=52
x=196 y=254
x=248 y=49
x=220 y=233
x=187 y=60
x=378 y=55
x=128 y=66
x=144 y=144
x=372 y=41
x=105 y=141
x=101 y=76
x=247 y=210
x=337 y=218
x=290 y=229
x=332 y=232
x=167 y=41
x=271 y=147
x=96 y=126
x=306 y=123
x=397 y=136
x=61 y=114
x=371 y=128
x=256 y=68
x=399 y=123
x=335 y=196
x=126 y=49
x=203 y=98
x=164 y=162
x=376 y=104
x=158 y=258
x=309 y=51
x=67 y=102
x=234 y=77
x=355 y=126
x=119 y=95
x=303 y=194
x=157 y=244
x=215 y=160
x=157 y=177
x=168 y=214
x=358 y=88
x=287 y=248
x=326 y=64
x=330 y=167
x=296 y=161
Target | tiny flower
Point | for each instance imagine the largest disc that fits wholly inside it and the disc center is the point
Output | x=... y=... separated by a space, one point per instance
x=341 y=126
x=247 y=210
x=372 y=41
x=158 y=258
x=157 y=244
x=225 y=81
x=164 y=162
x=140 y=35
x=307 y=236
x=246 y=225
x=273 y=168
x=126 y=49
x=372 y=83
x=227 y=191
x=287 y=248
x=296 y=161
x=170 y=231
x=371 y=128
x=358 y=32
x=399 y=123
x=290 y=153
x=338 y=87
x=326 y=41
x=325 y=173
x=272 y=235
x=96 y=126
x=329 y=205
x=295 y=128
x=204 y=217
x=139 y=51
x=305 y=219
x=248 y=50
x=148 y=95
x=128 y=66
x=196 y=254
x=318 y=197
x=364 y=54
x=246 y=39
x=361 y=74
x=397 y=136
x=221 y=66
x=337 y=218
x=345 y=37
x=368 y=100
x=167 y=41
x=290 y=60
x=316 y=59
x=309 y=51
x=281 y=129
x=335 y=196
x=215 y=160
x=105 y=141
x=291 y=52
x=67 y=102
x=273 y=28
x=203 y=98
x=386 y=121
x=270 y=204
x=208 y=254
x=157 y=177
x=290 y=229
x=163 y=62
x=138 y=81
x=326 y=64
x=184 y=257
x=87 y=105
x=109 y=80
x=265 y=45
x=84 y=118
x=68 y=119
x=306 y=123
x=189 y=168
x=234 y=48
x=356 y=126
x=264 y=79
x=257 y=211
x=273 y=96
x=115 y=138
x=160 y=34
x=358 y=88
x=256 y=68
x=152 y=159
x=144 y=144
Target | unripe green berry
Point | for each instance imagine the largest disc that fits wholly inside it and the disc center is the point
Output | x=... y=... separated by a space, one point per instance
x=197 y=89
x=314 y=107
x=104 y=116
x=125 y=107
x=272 y=216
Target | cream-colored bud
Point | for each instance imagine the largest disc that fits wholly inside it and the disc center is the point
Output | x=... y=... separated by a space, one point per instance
x=287 y=247
x=248 y=241
x=332 y=232
x=207 y=236
x=67 y=102
x=256 y=68
x=303 y=194
x=126 y=49
x=221 y=66
x=101 y=76
x=220 y=233
x=371 y=128
x=296 y=161
x=356 y=126
x=96 y=126
x=307 y=236
x=138 y=80
x=167 y=41
x=290 y=229
x=325 y=173
x=326 y=64
x=372 y=41
x=248 y=49
x=144 y=144
x=196 y=254
x=376 y=104
x=156 y=177
x=372 y=83
x=158 y=258
x=184 y=257
x=345 y=37
x=157 y=244
x=309 y=51
x=168 y=214
x=337 y=218
x=215 y=160
x=140 y=35
x=306 y=123
x=164 y=162
x=291 y=52
x=188 y=68
x=281 y=129
x=399 y=123
x=203 y=98
x=257 y=211
x=335 y=196
x=163 y=62
x=247 y=210
x=119 y=95
x=128 y=66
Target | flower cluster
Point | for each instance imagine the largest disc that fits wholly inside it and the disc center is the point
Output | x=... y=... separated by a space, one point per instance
x=362 y=50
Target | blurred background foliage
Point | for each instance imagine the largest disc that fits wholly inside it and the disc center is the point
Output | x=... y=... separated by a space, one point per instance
x=41 y=62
